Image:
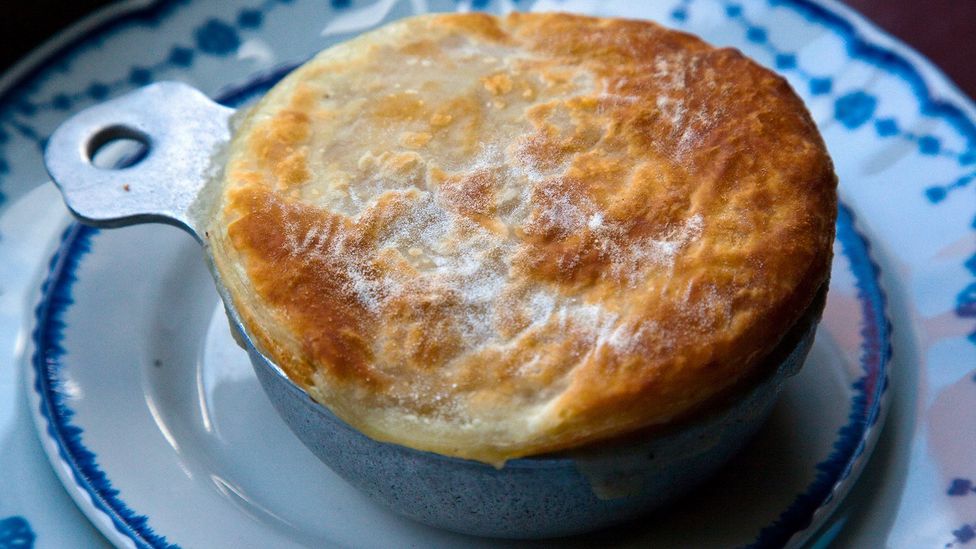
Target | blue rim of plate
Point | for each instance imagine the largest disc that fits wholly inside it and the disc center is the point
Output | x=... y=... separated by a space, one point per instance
x=852 y=441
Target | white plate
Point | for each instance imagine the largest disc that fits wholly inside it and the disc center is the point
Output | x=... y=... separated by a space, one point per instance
x=904 y=143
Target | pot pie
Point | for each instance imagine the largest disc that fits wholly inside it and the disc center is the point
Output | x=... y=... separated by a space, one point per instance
x=498 y=237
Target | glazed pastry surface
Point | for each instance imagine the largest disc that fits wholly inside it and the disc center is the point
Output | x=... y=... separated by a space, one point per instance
x=498 y=237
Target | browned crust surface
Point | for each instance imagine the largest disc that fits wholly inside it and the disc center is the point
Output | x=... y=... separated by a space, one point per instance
x=491 y=238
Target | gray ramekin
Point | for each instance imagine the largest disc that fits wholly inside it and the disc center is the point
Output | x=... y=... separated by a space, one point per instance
x=545 y=496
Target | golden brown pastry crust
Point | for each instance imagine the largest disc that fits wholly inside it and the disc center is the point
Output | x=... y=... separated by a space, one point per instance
x=495 y=237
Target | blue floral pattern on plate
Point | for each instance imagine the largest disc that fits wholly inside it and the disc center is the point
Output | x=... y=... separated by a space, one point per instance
x=16 y=533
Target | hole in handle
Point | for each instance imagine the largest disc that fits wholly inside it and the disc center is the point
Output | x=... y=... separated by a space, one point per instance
x=118 y=147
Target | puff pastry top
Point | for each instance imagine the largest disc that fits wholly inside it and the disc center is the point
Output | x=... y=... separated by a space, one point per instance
x=497 y=237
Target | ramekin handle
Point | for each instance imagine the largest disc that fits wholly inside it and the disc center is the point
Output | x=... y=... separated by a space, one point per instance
x=183 y=133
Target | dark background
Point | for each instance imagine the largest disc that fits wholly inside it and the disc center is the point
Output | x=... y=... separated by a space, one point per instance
x=942 y=30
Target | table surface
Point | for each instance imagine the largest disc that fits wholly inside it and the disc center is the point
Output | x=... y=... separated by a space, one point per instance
x=942 y=30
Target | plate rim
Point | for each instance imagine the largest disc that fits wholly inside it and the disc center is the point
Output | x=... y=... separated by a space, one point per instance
x=74 y=477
